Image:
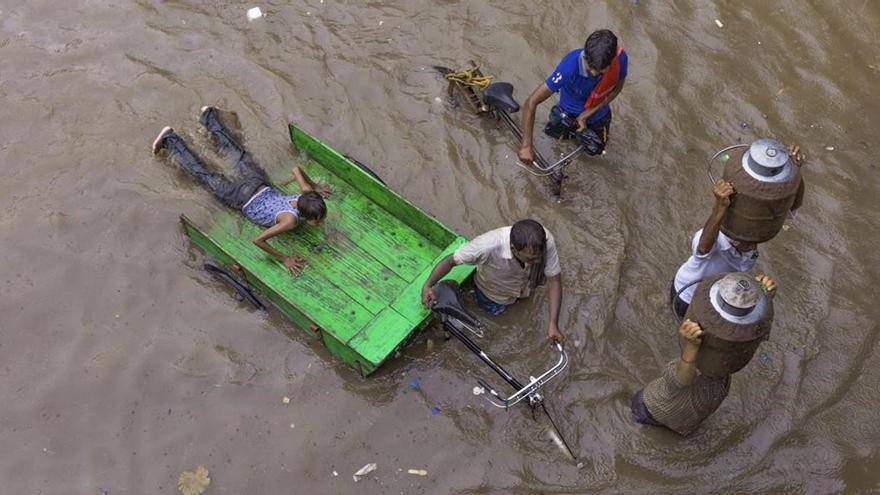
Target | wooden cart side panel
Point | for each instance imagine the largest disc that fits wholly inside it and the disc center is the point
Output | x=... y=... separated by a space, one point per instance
x=349 y=355
x=392 y=202
x=378 y=340
x=409 y=302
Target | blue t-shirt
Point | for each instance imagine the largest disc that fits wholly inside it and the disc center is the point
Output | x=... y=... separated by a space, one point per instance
x=572 y=80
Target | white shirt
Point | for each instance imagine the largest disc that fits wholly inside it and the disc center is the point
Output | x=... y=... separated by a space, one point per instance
x=499 y=275
x=723 y=257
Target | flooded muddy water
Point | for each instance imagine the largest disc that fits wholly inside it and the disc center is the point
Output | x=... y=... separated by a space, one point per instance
x=122 y=363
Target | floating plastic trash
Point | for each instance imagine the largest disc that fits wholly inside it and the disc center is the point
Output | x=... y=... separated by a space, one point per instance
x=367 y=469
x=254 y=13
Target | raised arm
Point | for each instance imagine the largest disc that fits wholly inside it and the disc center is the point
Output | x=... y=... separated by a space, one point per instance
x=686 y=367
x=306 y=183
x=439 y=271
x=286 y=221
x=527 y=150
x=722 y=191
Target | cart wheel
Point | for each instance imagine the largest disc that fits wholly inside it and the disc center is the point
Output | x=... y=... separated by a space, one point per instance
x=366 y=169
x=242 y=290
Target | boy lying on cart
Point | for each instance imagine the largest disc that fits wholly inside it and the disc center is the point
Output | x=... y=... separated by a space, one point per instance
x=251 y=191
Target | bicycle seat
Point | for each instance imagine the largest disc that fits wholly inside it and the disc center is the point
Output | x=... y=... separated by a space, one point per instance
x=500 y=96
x=449 y=303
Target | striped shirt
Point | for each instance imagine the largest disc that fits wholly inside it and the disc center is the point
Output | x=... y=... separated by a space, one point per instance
x=682 y=408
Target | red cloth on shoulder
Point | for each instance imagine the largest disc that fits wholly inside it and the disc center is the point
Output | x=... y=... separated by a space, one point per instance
x=606 y=85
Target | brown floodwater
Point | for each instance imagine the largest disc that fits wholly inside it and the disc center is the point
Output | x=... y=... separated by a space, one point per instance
x=122 y=363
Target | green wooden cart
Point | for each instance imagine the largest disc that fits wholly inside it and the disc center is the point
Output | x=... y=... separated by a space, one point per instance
x=360 y=292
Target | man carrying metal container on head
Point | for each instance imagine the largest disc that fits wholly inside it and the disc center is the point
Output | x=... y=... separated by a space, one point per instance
x=761 y=186
x=730 y=316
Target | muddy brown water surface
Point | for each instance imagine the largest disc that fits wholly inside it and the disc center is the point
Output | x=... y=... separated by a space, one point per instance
x=122 y=363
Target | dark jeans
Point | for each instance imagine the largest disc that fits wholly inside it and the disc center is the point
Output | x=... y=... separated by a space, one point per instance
x=561 y=125
x=640 y=411
x=488 y=305
x=231 y=192
x=678 y=305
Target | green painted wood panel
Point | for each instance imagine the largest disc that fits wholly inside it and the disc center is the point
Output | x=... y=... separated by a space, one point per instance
x=312 y=292
x=381 y=336
x=374 y=190
x=409 y=302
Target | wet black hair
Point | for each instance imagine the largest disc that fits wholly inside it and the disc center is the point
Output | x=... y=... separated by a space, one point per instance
x=528 y=234
x=600 y=49
x=311 y=206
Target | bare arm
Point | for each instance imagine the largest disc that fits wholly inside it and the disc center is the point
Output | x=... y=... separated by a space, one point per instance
x=526 y=150
x=722 y=191
x=586 y=114
x=554 y=293
x=286 y=222
x=439 y=271
x=686 y=367
x=305 y=183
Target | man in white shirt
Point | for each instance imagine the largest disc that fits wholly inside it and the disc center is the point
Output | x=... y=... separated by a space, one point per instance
x=711 y=252
x=511 y=261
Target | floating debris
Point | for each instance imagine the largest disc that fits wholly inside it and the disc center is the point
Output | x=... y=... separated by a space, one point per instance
x=559 y=442
x=418 y=472
x=829 y=148
x=479 y=390
x=415 y=384
x=335 y=473
x=367 y=469
x=286 y=400
x=435 y=410
x=254 y=13
x=719 y=23
x=193 y=483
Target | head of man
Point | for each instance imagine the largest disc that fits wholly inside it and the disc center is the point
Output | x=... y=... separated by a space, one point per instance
x=311 y=208
x=599 y=51
x=528 y=241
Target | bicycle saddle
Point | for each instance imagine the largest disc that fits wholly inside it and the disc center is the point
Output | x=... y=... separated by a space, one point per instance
x=500 y=95
x=449 y=303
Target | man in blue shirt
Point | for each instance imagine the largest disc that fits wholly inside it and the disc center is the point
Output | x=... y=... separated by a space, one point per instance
x=587 y=80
